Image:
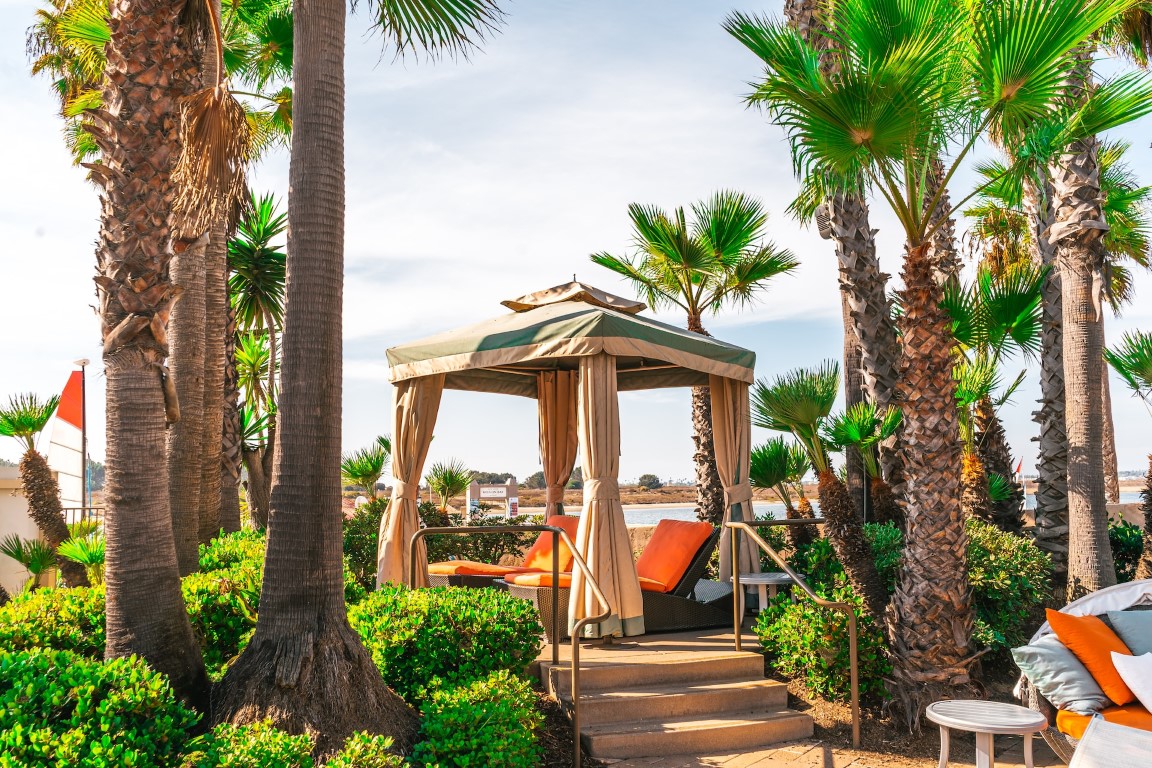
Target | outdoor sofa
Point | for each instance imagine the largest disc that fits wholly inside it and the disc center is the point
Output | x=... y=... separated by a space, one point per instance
x=538 y=559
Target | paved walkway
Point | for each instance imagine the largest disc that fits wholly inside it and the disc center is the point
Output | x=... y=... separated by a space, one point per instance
x=812 y=753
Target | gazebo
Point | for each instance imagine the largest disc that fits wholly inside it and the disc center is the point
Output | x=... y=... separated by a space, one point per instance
x=572 y=348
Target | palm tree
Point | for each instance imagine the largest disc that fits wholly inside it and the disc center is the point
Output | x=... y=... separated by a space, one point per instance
x=800 y=402
x=906 y=74
x=305 y=667
x=24 y=419
x=448 y=480
x=1132 y=359
x=34 y=555
x=863 y=427
x=780 y=466
x=365 y=466
x=720 y=258
x=87 y=551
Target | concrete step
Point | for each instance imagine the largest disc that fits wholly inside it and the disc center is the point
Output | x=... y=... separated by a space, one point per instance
x=694 y=734
x=653 y=671
x=681 y=700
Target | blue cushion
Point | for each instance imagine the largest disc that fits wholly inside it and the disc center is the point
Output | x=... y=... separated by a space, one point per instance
x=1060 y=677
x=1134 y=628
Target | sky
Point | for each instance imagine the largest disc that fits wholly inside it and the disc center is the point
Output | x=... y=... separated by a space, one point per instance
x=476 y=181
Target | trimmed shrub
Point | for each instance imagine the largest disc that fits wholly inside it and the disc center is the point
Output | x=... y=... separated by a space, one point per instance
x=244 y=547
x=222 y=606
x=817 y=561
x=59 y=619
x=453 y=636
x=258 y=745
x=62 y=709
x=1127 y=544
x=806 y=641
x=361 y=534
x=490 y=723
x=366 y=750
x=1010 y=579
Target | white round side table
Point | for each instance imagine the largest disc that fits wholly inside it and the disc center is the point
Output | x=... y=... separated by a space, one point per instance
x=985 y=719
x=765 y=583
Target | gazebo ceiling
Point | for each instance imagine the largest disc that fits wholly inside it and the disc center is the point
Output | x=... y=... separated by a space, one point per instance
x=552 y=329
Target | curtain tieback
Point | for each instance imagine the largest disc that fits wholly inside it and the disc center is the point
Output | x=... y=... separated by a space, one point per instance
x=601 y=489
x=554 y=494
x=737 y=494
x=403 y=490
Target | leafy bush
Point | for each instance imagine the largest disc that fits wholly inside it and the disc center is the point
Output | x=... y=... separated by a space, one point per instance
x=259 y=745
x=454 y=636
x=62 y=709
x=366 y=750
x=490 y=723
x=222 y=606
x=59 y=619
x=650 y=481
x=480 y=547
x=361 y=534
x=1127 y=544
x=817 y=561
x=804 y=640
x=245 y=547
x=1010 y=579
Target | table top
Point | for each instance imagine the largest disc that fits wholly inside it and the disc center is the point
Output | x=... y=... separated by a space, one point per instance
x=982 y=716
x=769 y=577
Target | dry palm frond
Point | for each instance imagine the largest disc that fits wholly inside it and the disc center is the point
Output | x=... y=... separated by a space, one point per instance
x=214 y=152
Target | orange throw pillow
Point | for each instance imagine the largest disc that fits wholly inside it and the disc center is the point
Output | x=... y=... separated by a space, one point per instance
x=1093 y=642
x=670 y=551
x=540 y=555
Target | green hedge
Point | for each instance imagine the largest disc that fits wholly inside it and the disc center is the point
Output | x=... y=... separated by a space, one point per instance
x=61 y=709
x=61 y=619
x=445 y=636
x=1127 y=544
x=365 y=750
x=244 y=547
x=1010 y=577
x=361 y=534
x=259 y=745
x=222 y=606
x=491 y=723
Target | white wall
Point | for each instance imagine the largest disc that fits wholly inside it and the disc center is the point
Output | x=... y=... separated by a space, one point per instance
x=13 y=519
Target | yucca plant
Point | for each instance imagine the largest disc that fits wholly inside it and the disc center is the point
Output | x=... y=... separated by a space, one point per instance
x=800 y=402
x=1132 y=359
x=34 y=555
x=862 y=428
x=447 y=480
x=780 y=465
x=365 y=466
x=88 y=551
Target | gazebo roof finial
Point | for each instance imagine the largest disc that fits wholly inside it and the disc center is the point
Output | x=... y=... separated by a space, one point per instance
x=574 y=291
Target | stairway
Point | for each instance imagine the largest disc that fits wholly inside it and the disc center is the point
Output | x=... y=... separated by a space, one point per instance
x=654 y=704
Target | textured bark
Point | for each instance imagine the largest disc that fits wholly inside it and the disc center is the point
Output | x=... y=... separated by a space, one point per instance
x=186 y=436
x=974 y=500
x=150 y=66
x=885 y=506
x=230 y=443
x=845 y=532
x=853 y=394
x=709 y=489
x=4 y=596
x=42 y=493
x=215 y=330
x=257 y=487
x=305 y=668
x=930 y=617
x=1144 y=568
x=801 y=535
x=1108 y=445
x=945 y=257
x=1051 y=530
x=996 y=456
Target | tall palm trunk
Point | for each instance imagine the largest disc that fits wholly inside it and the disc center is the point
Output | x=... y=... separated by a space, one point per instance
x=930 y=618
x=845 y=533
x=305 y=667
x=149 y=67
x=1144 y=568
x=1108 y=446
x=854 y=394
x=996 y=455
x=709 y=489
x=258 y=464
x=186 y=435
x=230 y=443
x=974 y=498
x=215 y=329
x=42 y=493
x=945 y=257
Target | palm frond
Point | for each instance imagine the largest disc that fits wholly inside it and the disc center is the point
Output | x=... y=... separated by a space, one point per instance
x=798 y=402
x=26 y=416
x=1000 y=488
x=1132 y=359
x=88 y=551
x=364 y=467
x=448 y=479
x=258 y=265
x=976 y=380
x=435 y=27
x=777 y=462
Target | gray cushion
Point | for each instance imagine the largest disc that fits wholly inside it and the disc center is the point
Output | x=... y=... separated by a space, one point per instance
x=1060 y=677
x=1134 y=628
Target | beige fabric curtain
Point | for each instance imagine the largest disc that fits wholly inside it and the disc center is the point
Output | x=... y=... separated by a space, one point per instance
x=413 y=420
x=602 y=538
x=732 y=435
x=556 y=398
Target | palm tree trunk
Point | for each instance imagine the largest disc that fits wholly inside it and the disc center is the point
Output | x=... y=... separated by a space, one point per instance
x=42 y=493
x=1051 y=530
x=257 y=488
x=305 y=668
x=230 y=443
x=996 y=456
x=945 y=258
x=930 y=618
x=215 y=331
x=1144 y=568
x=854 y=394
x=974 y=499
x=150 y=67
x=186 y=436
x=845 y=532
x=709 y=489
x=1111 y=466
x=885 y=507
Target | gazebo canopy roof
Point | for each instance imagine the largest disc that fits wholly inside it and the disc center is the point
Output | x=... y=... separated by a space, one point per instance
x=552 y=330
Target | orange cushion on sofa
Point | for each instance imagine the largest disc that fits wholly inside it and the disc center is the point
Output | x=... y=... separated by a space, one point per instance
x=471 y=568
x=540 y=555
x=670 y=551
x=1131 y=715
x=1093 y=642
x=538 y=579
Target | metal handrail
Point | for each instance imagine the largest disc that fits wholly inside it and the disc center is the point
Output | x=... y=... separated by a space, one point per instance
x=558 y=534
x=845 y=608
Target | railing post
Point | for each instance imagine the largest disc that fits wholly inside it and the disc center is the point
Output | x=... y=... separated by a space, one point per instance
x=555 y=598
x=855 y=677
x=737 y=601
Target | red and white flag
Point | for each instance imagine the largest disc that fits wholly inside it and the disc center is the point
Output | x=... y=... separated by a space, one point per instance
x=65 y=451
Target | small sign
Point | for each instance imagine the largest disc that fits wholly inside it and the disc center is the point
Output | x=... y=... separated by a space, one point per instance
x=513 y=507
x=493 y=492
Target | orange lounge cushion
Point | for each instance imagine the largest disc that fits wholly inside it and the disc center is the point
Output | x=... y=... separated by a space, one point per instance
x=472 y=568
x=1131 y=715
x=539 y=557
x=544 y=579
x=1093 y=642
x=670 y=551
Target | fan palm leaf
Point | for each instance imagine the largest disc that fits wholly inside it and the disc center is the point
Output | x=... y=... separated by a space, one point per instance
x=1132 y=359
x=798 y=402
x=26 y=416
x=88 y=551
x=863 y=427
x=364 y=467
x=448 y=479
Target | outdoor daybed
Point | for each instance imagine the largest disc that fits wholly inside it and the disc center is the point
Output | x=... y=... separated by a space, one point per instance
x=538 y=559
x=671 y=569
x=1068 y=675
